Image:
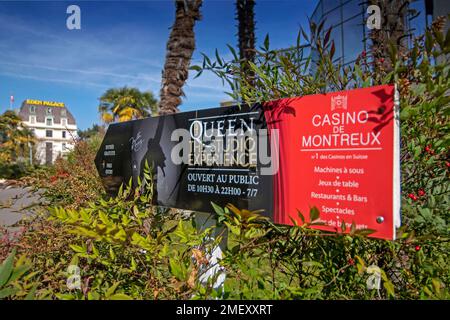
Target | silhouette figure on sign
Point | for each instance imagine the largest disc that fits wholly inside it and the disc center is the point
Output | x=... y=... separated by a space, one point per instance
x=155 y=156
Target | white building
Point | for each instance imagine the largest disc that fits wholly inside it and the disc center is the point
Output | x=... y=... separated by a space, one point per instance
x=53 y=125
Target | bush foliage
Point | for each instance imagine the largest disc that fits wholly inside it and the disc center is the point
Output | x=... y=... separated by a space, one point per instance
x=72 y=181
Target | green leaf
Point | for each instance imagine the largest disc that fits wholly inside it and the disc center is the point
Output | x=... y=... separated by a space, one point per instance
x=305 y=35
x=233 y=52
x=343 y=226
x=93 y=295
x=78 y=249
x=314 y=214
x=120 y=296
x=133 y=266
x=299 y=35
x=7 y=292
x=353 y=228
x=111 y=289
x=18 y=272
x=207 y=59
x=218 y=209
x=436 y=283
x=404 y=114
x=428 y=41
x=365 y=232
x=218 y=58
x=332 y=50
x=176 y=269
x=319 y=29
x=294 y=222
x=266 y=42
x=111 y=253
x=121 y=235
x=389 y=288
x=236 y=230
x=65 y=296
x=30 y=295
x=6 y=268
x=195 y=68
x=104 y=218
x=300 y=215
x=327 y=37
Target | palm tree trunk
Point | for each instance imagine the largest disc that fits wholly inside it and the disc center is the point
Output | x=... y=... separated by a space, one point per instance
x=180 y=47
x=246 y=36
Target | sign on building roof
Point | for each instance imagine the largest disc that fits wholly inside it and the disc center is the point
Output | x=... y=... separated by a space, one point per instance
x=45 y=103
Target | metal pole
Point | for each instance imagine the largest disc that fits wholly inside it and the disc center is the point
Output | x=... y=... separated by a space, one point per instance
x=31 y=153
x=204 y=221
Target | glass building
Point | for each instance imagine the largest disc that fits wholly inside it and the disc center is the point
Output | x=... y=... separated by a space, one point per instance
x=348 y=21
x=346 y=18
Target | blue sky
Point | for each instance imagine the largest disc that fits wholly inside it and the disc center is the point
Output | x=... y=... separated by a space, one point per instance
x=120 y=43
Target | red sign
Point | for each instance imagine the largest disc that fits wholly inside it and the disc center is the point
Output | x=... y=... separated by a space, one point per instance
x=339 y=152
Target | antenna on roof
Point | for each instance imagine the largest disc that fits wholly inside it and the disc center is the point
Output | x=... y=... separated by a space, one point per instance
x=11 y=102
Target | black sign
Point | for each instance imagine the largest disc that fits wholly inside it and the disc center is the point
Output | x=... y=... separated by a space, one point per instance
x=219 y=155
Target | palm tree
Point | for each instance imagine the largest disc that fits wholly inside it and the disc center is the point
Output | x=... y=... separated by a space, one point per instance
x=15 y=139
x=246 y=36
x=124 y=104
x=180 y=47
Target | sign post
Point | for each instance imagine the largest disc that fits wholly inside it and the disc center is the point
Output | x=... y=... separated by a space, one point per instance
x=213 y=271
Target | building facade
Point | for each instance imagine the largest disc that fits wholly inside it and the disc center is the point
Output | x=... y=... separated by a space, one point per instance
x=53 y=125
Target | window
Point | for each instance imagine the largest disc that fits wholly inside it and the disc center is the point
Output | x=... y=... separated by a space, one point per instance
x=64 y=146
x=329 y=5
x=49 y=110
x=63 y=112
x=49 y=121
x=332 y=18
x=32 y=109
x=48 y=133
x=32 y=119
x=64 y=134
x=353 y=43
x=352 y=9
x=64 y=121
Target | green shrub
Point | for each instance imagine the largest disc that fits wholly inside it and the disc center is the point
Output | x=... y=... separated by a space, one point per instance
x=16 y=170
x=71 y=181
x=124 y=248
x=279 y=262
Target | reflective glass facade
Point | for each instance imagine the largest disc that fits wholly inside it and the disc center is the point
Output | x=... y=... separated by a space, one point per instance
x=346 y=17
x=349 y=31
